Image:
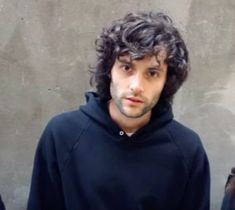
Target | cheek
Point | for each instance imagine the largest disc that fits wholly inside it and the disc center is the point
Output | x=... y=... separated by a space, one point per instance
x=117 y=86
x=114 y=90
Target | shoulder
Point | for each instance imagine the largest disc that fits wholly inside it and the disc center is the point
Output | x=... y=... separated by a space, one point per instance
x=67 y=118
x=61 y=135
x=68 y=121
x=63 y=130
x=182 y=134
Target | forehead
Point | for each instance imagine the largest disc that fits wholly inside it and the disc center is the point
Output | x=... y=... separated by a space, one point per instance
x=154 y=59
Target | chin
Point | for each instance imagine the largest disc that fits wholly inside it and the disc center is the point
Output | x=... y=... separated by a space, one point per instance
x=133 y=114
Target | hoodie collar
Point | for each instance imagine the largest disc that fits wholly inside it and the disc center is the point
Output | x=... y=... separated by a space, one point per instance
x=97 y=110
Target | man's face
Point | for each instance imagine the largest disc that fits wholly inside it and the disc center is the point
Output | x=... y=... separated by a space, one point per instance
x=136 y=85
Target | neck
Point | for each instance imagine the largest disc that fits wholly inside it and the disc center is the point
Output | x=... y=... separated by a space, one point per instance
x=127 y=124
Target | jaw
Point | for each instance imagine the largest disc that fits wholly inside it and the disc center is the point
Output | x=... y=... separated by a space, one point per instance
x=128 y=118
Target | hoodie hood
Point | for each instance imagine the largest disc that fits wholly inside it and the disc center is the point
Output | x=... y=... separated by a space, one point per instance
x=97 y=110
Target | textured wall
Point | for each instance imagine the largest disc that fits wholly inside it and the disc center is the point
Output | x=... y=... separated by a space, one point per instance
x=46 y=47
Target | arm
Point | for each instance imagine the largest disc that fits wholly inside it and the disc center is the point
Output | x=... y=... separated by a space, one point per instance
x=197 y=192
x=229 y=194
x=46 y=188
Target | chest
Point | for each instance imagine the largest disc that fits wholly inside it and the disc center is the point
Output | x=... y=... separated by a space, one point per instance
x=119 y=176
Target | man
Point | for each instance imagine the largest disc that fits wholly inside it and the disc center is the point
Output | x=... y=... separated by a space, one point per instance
x=229 y=194
x=123 y=150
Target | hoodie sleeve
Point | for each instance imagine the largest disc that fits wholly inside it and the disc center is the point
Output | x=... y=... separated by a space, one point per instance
x=197 y=192
x=229 y=194
x=2 y=207
x=46 y=188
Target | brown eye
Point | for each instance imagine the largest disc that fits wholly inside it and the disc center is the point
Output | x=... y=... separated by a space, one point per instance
x=153 y=73
x=126 y=67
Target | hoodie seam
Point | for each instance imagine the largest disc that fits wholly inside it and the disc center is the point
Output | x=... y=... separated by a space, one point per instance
x=87 y=125
x=181 y=154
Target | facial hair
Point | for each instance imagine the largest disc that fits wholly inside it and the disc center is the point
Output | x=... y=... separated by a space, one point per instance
x=118 y=101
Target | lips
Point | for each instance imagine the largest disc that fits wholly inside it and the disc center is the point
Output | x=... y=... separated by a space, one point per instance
x=134 y=100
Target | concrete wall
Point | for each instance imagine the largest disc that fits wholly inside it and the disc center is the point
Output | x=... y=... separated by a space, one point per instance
x=46 y=47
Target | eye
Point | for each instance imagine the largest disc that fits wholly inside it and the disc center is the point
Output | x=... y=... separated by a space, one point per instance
x=126 y=67
x=153 y=73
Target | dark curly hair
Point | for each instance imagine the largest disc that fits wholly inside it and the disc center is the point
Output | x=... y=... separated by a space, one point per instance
x=140 y=34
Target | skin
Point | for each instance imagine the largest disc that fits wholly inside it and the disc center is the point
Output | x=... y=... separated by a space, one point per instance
x=135 y=88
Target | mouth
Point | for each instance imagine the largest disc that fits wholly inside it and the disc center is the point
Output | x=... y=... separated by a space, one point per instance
x=134 y=100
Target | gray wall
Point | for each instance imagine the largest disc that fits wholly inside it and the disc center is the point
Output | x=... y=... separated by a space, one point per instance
x=46 y=47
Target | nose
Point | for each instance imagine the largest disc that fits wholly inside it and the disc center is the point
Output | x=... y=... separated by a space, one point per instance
x=136 y=84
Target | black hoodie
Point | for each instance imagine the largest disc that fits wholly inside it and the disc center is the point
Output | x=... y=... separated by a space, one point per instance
x=229 y=194
x=2 y=206
x=84 y=161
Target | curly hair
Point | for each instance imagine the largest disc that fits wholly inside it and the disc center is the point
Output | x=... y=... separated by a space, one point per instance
x=140 y=34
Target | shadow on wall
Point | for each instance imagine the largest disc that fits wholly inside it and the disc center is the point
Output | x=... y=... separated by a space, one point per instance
x=210 y=96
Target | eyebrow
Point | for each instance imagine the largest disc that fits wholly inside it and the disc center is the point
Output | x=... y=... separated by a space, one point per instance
x=124 y=60
x=158 y=68
x=130 y=61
